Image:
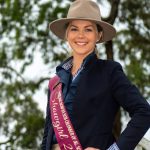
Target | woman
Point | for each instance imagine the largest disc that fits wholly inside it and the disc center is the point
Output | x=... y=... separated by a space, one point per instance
x=88 y=91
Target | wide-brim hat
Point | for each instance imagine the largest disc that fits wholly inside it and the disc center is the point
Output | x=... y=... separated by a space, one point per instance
x=83 y=10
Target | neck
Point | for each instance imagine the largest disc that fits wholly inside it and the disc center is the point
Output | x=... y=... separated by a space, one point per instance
x=77 y=62
x=76 y=65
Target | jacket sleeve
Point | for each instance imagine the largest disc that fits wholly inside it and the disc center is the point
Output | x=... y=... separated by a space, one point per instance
x=47 y=125
x=128 y=96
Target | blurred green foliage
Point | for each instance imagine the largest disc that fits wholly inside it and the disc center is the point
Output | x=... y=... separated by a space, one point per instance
x=24 y=31
x=134 y=42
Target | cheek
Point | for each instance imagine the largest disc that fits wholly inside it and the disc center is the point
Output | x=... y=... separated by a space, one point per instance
x=94 y=39
x=69 y=37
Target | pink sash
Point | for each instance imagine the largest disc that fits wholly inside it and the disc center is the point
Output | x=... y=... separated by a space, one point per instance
x=64 y=131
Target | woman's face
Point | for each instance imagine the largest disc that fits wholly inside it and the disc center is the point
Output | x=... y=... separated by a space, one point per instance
x=82 y=36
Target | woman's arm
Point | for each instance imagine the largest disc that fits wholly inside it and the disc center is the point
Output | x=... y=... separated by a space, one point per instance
x=128 y=96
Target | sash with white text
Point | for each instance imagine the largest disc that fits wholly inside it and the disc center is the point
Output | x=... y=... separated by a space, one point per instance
x=64 y=131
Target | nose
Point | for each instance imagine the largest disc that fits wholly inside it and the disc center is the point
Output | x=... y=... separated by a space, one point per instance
x=81 y=34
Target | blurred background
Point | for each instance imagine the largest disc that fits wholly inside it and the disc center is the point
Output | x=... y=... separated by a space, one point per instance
x=29 y=53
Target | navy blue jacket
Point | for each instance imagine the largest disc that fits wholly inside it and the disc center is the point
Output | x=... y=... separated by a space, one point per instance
x=103 y=89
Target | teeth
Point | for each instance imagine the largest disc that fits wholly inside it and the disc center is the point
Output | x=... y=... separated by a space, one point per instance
x=81 y=43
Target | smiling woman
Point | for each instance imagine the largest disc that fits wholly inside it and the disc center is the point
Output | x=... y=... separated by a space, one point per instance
x=86 y=92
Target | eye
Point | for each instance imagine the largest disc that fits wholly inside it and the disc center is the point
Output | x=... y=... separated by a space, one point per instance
x=73 y=29
x=88 y=30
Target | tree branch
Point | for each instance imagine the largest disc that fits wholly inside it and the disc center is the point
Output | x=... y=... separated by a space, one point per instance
x=2 y=143
x=113 y=12
x=13 y=70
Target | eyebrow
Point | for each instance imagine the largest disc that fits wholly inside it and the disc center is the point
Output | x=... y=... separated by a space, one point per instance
x=77 y=26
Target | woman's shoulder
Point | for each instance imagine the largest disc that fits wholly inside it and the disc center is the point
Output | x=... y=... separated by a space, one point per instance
x=109 y=67
x=109 y=63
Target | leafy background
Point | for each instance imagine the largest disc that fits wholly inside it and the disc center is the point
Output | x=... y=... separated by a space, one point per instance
x=25 y=40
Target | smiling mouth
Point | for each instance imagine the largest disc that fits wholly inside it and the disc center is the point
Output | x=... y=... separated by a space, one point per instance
x=81 y=43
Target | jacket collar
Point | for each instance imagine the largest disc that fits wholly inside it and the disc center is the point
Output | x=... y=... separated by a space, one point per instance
x=67 y=64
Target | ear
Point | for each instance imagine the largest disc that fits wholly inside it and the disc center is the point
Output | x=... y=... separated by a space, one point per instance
x=99 y=36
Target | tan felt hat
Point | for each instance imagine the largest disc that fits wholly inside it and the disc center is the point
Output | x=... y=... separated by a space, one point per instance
x=83 y=10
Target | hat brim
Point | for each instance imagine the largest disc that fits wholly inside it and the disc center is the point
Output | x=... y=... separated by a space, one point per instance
x=58 y=27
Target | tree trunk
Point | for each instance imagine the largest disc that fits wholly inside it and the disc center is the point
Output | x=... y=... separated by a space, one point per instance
x=109 y=52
